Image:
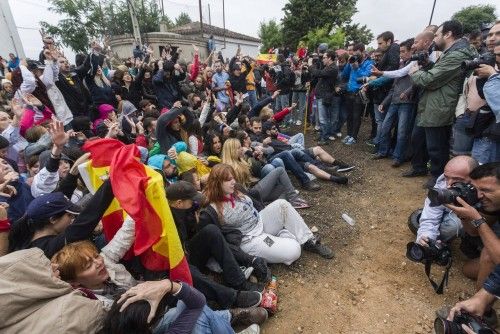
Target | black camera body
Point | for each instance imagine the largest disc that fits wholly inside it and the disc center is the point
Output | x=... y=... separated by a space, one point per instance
x=438 y=253
x=354 y=59
x=466 y=191
x=486 y=58
x=362 y=80
x=442 y=326
x=420 y=57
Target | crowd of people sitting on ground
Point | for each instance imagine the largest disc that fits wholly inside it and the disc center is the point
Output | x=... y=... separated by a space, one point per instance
x=153 y=195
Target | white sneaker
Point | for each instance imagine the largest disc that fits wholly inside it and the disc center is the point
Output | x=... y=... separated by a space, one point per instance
x=332 y=138
x=252 y=329
x=339 y=134
x=317 y=128
x=247 y=271
x=298 y=123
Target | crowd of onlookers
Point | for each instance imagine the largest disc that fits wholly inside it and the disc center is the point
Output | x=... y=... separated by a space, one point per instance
x=222 y=137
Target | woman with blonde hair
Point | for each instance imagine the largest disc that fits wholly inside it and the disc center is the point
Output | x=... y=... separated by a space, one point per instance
x=276 y=184
x=277 y=233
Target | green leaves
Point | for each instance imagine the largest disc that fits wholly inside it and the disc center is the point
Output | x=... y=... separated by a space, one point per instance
x=271 y=35
x=472 y=17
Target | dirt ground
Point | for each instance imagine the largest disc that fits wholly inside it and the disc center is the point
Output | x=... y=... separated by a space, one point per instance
x=370 y=286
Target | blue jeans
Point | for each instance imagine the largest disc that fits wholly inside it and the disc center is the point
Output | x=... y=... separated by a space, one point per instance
x=328 y=115
x=485 y=150
x=281 y=102
x=339 y=101
x=462 y=142
x=379 y=120
x=208 y=322
x=404 y=114
x=252 y=98
x=277 y=162
x=300 y=99
x=297 y=141
x=292 y=165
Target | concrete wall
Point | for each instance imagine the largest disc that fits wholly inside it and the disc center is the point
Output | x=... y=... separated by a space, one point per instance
x=9 y=38
x=247 y=47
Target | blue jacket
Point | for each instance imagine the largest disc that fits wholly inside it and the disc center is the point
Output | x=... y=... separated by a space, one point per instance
x=364 y=70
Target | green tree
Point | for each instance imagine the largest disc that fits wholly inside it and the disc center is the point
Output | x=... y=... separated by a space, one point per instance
x=358 y=34
x=182 y=19
x=85 y=20
x=301 y=16
x=472 y=17
x=271 y=35
x=335 y=40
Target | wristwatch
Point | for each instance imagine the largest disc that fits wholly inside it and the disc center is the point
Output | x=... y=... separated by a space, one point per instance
x=477 y=222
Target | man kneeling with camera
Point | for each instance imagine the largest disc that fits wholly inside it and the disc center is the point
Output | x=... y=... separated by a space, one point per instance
x=486 y=179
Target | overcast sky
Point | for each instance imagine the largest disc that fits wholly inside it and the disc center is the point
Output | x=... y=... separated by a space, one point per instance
x=404 y=17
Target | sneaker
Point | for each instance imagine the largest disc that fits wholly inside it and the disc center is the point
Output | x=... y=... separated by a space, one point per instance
x=300 y=203
x=342 y=166
x=247 y=271
x=351 y=141
x=247 y=299
x=252 y=329
x=339 y=179
x=260 y=269
x=314 y=246
x=298 y=123
x=328 y=168
x=317 y=128
x=370 y=142
x=378 y=156
x=346 y=139
x=331 y=138
x=248 y=316
x=250 y=286
x=311 y=186
x=339 y=134
x=396 y=163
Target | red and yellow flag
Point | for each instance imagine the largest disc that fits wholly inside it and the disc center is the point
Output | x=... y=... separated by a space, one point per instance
x=139 y=191
x=266 y=58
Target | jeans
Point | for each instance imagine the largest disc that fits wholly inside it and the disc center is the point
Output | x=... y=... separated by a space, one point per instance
x=326 y=119
x=268 y=168
x=292 y=165
x=342 y=115
x=438 y=147
x=485 y=150
x=462 y=142
x=252 y=98
x=379 y=120
x=492 y=283
x=300 y=99
x=404 y=114
x=450 y=227
x=275 y=185
x=297 y=141
x=282 y=101
x=419 y=157
x=208 y=322
x=354 y=110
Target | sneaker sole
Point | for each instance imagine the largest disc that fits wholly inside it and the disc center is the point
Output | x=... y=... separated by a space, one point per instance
x=346 y=169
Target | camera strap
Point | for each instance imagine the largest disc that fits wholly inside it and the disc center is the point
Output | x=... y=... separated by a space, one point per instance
x=444 y=281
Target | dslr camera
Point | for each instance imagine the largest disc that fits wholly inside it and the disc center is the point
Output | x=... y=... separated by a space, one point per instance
x=363 y=80
x=486 y=58
x=466 y=191
x=420 y=57
x=354 y=59
x=438 y=253
x=442 y=326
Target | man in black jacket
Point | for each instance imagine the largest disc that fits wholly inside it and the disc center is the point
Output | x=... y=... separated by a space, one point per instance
x=325 y=89
x=72 y=88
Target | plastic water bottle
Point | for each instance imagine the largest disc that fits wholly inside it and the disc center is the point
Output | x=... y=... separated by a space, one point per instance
x=348 y=219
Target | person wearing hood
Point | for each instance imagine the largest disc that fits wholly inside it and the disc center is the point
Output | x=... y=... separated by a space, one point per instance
x=165 y=166
x=168 y=128
x=166 y=83
x=441 y=83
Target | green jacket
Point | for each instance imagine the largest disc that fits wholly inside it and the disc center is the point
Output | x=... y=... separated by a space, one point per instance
x=441 y=86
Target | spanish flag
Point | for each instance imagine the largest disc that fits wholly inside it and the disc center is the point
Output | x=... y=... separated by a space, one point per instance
x=266 y=58
x=139 y=191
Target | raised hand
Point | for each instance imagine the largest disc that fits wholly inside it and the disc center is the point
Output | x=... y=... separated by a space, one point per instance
x=56 y=130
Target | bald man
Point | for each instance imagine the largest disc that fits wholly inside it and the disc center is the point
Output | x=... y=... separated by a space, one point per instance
x=439 y=222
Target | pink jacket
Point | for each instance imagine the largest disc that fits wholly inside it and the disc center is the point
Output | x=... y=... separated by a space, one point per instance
x=33 y=117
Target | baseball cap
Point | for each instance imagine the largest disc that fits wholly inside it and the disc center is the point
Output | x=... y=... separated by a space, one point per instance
x=183 y=190
x=48 y=205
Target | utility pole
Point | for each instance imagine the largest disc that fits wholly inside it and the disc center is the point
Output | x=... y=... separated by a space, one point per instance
x=201 y=19
x=135 y=23
x=432 y=13
x=209 y=16
x=224 y=21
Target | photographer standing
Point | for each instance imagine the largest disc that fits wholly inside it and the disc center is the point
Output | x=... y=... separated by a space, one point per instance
x=441 y=83
x=359 y=66
x=325 y=90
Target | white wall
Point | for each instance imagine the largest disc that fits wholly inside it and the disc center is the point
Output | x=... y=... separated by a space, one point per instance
x=247 y=48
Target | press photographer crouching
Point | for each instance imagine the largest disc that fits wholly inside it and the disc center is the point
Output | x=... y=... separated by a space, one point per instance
x=486 y=179
x=438 y=225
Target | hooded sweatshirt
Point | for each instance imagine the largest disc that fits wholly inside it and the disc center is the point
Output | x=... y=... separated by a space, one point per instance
x=32 y=301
